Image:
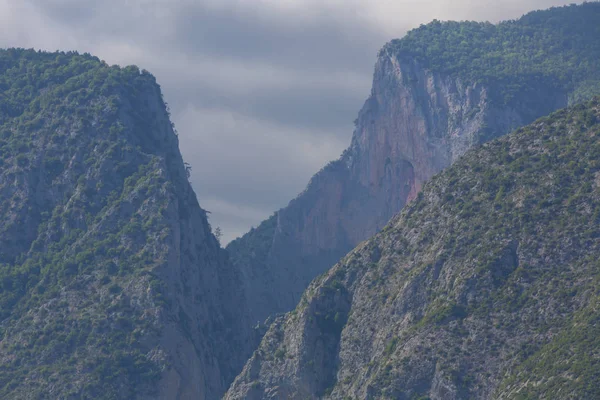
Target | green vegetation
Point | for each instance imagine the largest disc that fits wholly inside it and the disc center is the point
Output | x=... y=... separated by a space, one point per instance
x=490 y=279
x=517 y=230
x=555 y=47
x=566 y=367
x=82 y=193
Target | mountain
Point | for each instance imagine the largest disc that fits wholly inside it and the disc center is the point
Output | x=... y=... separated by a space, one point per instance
x=442 y=89
x=486 y=286
x=111 y=283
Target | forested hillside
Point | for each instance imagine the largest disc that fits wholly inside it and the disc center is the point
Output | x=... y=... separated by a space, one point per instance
x=484 y=287
x=111 y=283
x=557 y=46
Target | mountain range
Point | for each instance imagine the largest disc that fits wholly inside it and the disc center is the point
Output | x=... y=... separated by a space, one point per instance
x=442 y=89
x=451 y=252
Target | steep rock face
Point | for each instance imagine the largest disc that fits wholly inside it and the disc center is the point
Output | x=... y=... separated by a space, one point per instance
x=484 y=287
x=440 y=90
x=113 y=285
x=415 y=123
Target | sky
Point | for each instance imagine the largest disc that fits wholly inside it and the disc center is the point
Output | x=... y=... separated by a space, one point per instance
x=262 y=92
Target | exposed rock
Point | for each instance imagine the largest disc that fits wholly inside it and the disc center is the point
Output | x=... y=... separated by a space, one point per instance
x=483 y=287
x=415 y=123
x=113 y=285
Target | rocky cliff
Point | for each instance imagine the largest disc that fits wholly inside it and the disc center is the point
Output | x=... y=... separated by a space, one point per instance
x=112 y=284
x=485 y=286
x=441 y=90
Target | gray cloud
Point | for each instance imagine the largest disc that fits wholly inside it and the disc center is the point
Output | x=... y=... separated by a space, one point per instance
x=263 y=92
x=319 y=104
x=332 y=39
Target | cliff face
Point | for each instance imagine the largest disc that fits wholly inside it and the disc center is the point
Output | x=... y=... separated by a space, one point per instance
x=483 y=287
x=442 y=89
x=415 y=123
x=113 y=285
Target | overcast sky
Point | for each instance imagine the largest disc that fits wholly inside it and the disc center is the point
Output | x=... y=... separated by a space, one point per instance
x=262 y=92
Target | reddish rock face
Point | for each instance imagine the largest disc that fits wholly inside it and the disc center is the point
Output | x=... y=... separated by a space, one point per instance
x=415 y=123
x=435 y=297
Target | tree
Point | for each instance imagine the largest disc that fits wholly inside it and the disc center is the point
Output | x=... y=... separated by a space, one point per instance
x=218 y=234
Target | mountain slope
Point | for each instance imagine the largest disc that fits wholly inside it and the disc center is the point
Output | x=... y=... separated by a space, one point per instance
x=112 y=285
x=439 y=91
x=485 y=286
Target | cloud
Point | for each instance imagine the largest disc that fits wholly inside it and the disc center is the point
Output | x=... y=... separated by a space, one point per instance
x=254 y=165
x=249 y=157
x=263 y=92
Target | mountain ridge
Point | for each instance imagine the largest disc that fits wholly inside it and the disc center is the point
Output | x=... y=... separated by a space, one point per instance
x=485 y=286
x=113 y=285
x=417 y=121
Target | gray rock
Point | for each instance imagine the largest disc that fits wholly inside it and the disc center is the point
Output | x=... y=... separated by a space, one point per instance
x=415 y=123
x=469 y=293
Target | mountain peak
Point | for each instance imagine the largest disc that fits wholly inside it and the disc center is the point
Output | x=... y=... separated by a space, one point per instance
x=112 y=282
x=443 y=89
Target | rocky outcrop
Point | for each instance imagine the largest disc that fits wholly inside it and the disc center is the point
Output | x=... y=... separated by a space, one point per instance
x=415 y=123
x=483 y=287
x=112 y=284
